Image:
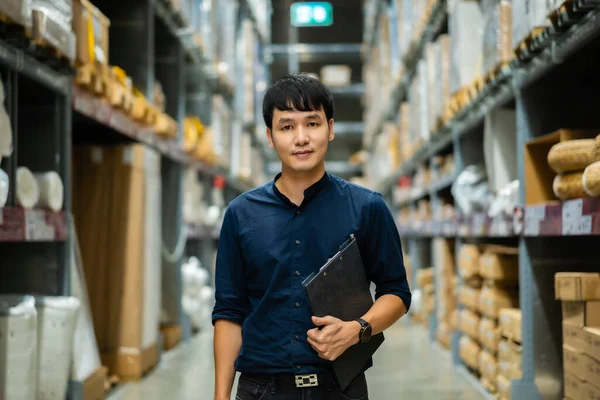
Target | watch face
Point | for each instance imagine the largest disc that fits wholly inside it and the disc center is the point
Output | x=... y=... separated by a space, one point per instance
x=367 y=333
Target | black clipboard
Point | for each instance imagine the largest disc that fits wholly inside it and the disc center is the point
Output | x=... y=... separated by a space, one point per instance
x=341 y=289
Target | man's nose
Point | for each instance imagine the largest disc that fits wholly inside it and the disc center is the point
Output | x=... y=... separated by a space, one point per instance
x=302 y=137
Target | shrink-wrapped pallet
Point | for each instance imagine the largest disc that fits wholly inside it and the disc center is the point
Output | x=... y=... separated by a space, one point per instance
x=28 y=192
x=443 y=78
x=466 y=28
x=51 y=190
x=6 y=141
x=497 y=38
x=17 y=10
x=18 y=347
x=4 y=184
x=57 y=317
x=51 y=24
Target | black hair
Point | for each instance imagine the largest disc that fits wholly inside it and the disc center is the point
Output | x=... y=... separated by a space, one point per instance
x=297 y=92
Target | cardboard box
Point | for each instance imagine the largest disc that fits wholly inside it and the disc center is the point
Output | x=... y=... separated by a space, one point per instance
x=510 y=353
x=574 y=362
x=336 y=75
x=492 y=300
x=489 y=334
x=539 y=177
x=509 y=370
x=503 y=386
x=425 y=277
x=581 y=313
x=574 y=389
x=500 y=263
x=172 y=335
x=590 y=391
x=510 y=323
x=468 y=261
x=574 y=336
x=590 y=341
x=469 y=323
x=469 y=297
x=83 y=11
x=577 y=286
x=469 y=352
x=488 y=365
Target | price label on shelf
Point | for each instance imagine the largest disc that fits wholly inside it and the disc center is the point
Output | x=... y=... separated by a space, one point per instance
x=103 y=112
x=577 y=225
x=1 y=216
x=36 y=227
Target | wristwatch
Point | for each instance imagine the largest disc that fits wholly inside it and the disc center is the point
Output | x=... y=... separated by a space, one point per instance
x=365 y=330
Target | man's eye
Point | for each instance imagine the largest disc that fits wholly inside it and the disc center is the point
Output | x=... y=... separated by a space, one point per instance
x=313 y=124
x=287 y=128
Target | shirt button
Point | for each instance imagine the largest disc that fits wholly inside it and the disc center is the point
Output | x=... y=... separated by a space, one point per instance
x=297 y=337
x=298 y=212
x=297 y=273
x=297 y=367
x=297 y=242
x=297 y=304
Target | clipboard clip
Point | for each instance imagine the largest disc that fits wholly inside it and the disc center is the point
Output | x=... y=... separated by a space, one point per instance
x=343 y=247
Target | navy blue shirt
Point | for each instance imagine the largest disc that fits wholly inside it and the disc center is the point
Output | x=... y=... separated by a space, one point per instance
x=268 y=246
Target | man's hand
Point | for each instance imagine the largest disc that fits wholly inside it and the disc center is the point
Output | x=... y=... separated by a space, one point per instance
x=335 y=337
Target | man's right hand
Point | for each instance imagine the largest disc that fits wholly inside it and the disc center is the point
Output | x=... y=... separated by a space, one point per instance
x=227 y=347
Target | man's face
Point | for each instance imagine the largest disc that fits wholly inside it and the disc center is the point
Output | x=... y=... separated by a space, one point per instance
x=300 y=138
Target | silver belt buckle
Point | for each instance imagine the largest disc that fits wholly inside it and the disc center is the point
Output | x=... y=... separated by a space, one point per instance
x=306 y=380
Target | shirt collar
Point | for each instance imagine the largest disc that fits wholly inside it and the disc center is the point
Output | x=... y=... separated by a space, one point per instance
x=309 y=193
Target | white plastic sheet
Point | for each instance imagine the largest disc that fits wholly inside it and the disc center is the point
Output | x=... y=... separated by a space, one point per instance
x=18 y=347
x=28 y=192
x=51 y=190
x=3 y=188
x=57 y=317
x=6 y=141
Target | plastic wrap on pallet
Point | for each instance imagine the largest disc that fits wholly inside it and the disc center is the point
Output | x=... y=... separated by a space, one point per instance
x=17 y=10
x=152 y=249
x=424 y=130
x=497 y=37
x=57 y=318
x=54 y=30
x=86 y=358
x=466 y=28
x=499 y=144
x=505 y=200
x=51 y=190
x=432 y=57
x=4 y=185
x=28 y=191
x=6 y=140
x=471 y=191
x=406 y=23
x=18 y=347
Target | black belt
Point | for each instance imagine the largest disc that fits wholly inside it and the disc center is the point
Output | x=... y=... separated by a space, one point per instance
x=326 y=379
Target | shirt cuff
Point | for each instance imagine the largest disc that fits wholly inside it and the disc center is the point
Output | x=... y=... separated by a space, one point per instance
x=228 y=315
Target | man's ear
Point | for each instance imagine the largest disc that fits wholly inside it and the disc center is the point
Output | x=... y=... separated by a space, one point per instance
x=331 y=133
x=270 y=138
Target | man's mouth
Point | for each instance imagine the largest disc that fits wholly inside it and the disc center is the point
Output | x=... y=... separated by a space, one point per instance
x=302 y=153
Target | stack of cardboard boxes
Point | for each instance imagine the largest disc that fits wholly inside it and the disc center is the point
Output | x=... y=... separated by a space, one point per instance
x=509 y=351
x=443 y=254
x=580 y=296
x=425 y=280
x=490 y=285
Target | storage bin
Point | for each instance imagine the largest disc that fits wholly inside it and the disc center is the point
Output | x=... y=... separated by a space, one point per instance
x=18 y=350
x=57 y=317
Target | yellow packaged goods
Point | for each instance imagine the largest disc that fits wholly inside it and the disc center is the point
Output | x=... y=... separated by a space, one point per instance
x=510 y=323
x=489 y=334
x=569 y=186
x=91 y=29
x=488 y=365
x=469 y=352
x=492 y=300
x=469 y=297
x=469 y=323
x=468 y=261
x=424 y=277
x=577 y=286
x=500 y=263
x=571 y=155
x=581 y=313
x=192 y=131
x=591 y=179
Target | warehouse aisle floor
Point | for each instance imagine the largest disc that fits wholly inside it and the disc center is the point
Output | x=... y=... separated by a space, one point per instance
x=408 y=366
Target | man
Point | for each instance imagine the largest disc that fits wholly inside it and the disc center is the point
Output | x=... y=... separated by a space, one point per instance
x=274 y=236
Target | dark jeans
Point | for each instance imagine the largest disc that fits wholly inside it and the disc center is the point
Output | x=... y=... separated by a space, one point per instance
x=267 y=387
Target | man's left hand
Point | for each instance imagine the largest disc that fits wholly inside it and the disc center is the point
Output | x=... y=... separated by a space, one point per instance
x=334 y=338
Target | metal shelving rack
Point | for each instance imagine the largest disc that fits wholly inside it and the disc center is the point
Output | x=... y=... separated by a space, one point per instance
x=48 y=113
x=548 y=90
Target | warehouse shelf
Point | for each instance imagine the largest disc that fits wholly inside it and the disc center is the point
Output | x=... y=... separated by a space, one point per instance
x=199 y=232
x=25 y=64
x=409 y=66
x=189 y=40
x=21 y=225
x=579 y=217
x=355 y=90
x=370 y=25
x=100 y=111
x=263 y=34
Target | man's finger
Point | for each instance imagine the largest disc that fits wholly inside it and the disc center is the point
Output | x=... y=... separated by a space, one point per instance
x=313 y=334
x=324 y=321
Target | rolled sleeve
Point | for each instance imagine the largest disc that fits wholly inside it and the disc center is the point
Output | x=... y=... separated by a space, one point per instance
x=231 y=300
x=384 y=260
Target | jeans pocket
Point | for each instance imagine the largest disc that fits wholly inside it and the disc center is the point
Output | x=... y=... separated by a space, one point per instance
x=249 y=390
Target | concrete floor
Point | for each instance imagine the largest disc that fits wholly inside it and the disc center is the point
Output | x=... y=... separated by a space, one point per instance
x=407 y=366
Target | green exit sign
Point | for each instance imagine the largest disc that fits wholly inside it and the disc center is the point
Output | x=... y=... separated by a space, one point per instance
x=313 y=13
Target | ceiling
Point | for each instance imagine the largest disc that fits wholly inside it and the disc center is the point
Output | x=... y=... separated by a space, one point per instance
x=347 y=28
